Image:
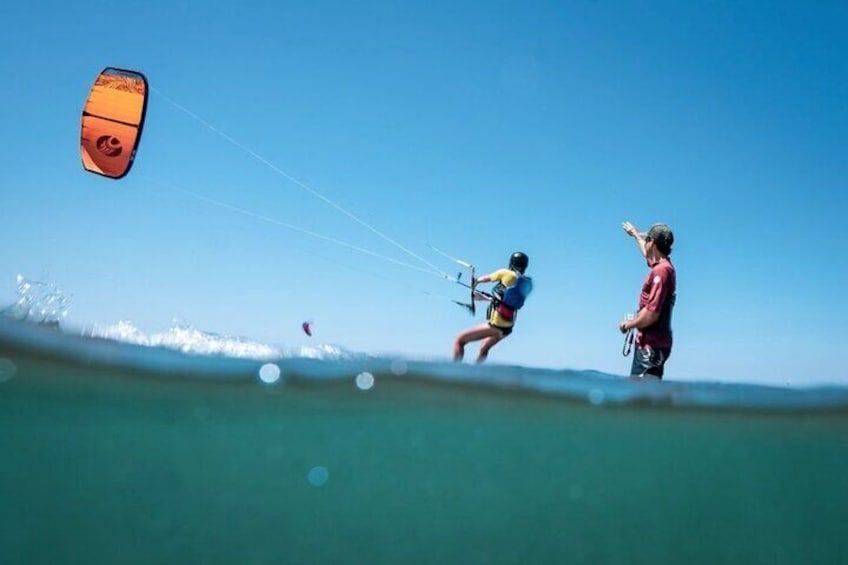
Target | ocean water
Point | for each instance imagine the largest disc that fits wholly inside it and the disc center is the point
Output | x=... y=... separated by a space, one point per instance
x=184 y=447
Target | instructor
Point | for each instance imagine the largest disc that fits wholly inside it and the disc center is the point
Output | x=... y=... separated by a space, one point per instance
x=656 y=301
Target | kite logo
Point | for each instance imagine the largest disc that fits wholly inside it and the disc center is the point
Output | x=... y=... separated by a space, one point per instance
x=109 y=145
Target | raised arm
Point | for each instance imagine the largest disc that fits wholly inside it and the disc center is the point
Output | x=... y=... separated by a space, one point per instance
x=631 y=230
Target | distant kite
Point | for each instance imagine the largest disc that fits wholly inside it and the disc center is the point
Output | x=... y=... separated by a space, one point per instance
x=307 y=328
x=112 y=120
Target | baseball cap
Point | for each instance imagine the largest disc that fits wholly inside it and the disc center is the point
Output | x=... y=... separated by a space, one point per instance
x=662 y=236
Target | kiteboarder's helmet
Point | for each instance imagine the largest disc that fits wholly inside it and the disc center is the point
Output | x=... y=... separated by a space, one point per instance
x=518 y=262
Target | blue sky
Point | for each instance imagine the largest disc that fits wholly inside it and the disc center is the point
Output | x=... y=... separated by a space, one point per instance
x=478 y=127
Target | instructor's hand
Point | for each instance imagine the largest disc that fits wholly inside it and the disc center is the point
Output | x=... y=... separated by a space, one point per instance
x=630 y=229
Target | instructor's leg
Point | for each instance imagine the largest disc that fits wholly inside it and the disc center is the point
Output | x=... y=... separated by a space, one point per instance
x=648 y=363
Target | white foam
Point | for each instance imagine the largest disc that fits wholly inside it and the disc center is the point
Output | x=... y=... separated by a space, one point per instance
x=192 y=340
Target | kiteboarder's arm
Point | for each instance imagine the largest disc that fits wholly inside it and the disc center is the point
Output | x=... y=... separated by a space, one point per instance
x=484 y=279
x=497 y=276
x=480 y=295
x=631 y=230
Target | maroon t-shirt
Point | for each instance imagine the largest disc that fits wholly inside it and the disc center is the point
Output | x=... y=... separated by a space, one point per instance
x=658 y=295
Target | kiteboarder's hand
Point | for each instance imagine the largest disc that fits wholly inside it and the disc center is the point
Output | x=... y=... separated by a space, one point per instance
x=630 y=229
x=622 y=327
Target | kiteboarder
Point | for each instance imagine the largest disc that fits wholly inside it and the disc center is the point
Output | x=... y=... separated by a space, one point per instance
x=656 y=301
x=507 y=297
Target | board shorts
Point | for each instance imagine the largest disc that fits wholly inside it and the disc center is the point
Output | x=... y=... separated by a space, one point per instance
x=497 y=320
x=649 y=360
x=504 y=331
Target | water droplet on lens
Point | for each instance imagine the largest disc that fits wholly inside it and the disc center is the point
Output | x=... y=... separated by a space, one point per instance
x=575 y=492
x=7 y=369
x=596 y=396
x=269 y=373
x=365 y=380
x=318 y=476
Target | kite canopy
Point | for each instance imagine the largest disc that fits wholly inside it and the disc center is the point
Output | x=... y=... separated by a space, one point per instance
x=112 y=119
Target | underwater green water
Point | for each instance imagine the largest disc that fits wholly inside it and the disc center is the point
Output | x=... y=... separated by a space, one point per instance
x=102 y=467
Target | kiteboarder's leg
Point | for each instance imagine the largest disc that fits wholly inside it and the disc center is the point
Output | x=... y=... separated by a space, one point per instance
x=482 y=331
x=489 y=343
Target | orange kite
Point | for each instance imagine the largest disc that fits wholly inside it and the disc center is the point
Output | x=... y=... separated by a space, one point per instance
x=112 y=120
